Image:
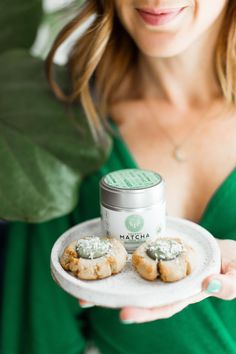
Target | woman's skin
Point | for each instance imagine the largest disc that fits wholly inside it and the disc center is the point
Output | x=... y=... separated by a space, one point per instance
x=172 y=98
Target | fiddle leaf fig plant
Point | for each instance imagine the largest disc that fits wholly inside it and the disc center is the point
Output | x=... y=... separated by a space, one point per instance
x=46 y=148
x=19 y=23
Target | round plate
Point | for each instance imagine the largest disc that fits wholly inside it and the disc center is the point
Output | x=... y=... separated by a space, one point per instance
x=128 y=288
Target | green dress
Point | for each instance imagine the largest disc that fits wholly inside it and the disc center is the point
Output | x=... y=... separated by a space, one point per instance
x=40 y=318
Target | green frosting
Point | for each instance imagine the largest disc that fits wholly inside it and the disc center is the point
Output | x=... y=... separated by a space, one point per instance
x=92 y=247
x=164 y=249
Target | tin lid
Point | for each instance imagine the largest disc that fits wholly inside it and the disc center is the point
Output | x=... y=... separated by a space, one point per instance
x=131 y=189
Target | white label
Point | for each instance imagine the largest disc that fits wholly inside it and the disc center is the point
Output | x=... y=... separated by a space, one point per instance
x=134 y=227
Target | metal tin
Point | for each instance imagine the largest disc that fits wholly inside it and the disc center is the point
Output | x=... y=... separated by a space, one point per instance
x=133 y=205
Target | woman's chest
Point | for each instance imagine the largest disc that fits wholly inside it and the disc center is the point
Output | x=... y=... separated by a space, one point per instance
x=207 y=158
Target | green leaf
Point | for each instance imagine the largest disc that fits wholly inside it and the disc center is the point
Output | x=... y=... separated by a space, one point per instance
x=45 y=150
x=19 y=23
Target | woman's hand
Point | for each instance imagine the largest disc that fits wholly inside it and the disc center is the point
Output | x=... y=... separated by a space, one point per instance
x=221 y=285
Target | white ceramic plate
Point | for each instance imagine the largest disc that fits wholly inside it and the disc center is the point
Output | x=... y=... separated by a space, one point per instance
x=128 y=288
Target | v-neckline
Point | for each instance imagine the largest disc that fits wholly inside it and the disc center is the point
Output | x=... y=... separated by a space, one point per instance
x=131 y=162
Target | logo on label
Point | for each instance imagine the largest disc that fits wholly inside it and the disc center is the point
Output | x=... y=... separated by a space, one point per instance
x=158 y=229
x=134 y=223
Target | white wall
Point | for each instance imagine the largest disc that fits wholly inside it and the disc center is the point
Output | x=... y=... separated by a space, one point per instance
x=53 y=5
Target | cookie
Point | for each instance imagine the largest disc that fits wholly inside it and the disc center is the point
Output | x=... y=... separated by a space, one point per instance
x=164 y=258
x=92 y=258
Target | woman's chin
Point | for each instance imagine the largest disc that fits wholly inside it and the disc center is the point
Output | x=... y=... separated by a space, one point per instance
x=163 y=51
x=163 y=43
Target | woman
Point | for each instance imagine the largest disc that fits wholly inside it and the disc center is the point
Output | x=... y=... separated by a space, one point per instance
x=164 y=73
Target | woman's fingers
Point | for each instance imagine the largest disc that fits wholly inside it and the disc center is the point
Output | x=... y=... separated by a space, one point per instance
x=85 y=304
x=138 y=315
x=222 y=286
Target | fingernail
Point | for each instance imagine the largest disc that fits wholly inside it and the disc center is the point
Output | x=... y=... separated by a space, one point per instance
x=214 y=286
x=87 y=305
x=128 y=321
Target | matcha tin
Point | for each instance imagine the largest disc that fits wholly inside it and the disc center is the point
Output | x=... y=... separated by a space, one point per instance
x=133 y=207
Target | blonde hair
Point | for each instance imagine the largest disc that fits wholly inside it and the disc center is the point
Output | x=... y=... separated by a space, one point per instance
x=106 y=53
